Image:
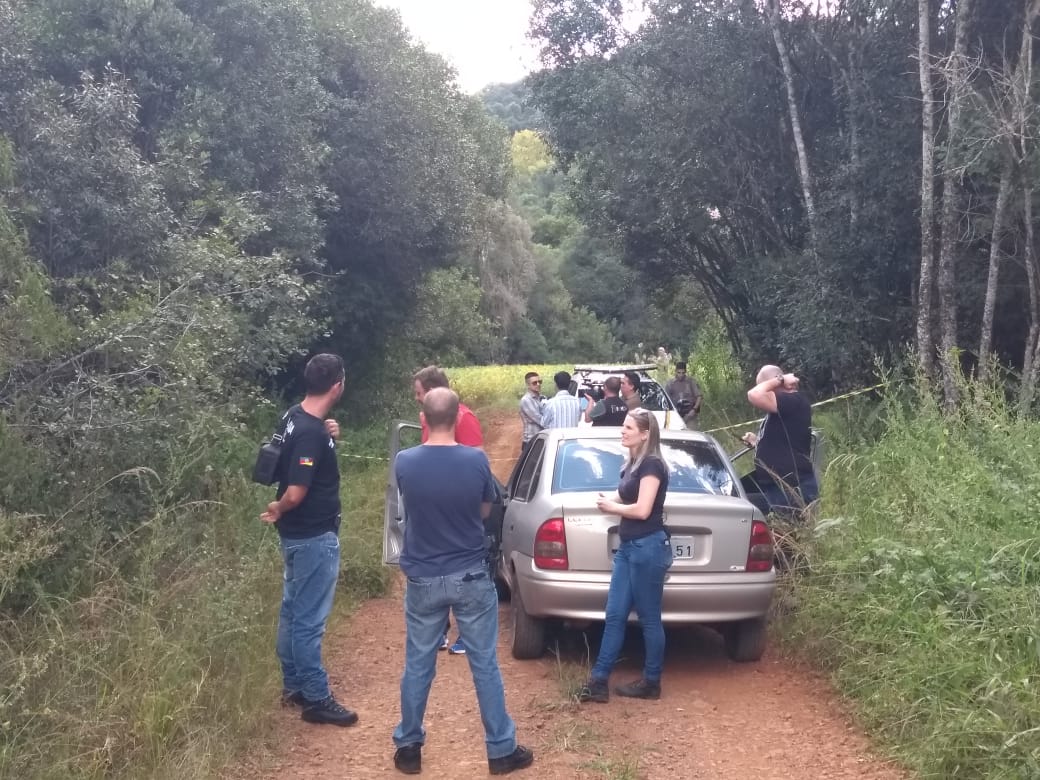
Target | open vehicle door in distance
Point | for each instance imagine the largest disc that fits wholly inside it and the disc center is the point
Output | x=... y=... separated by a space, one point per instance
x=403 y=434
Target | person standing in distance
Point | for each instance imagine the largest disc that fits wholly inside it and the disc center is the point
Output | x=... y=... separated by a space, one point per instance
x=467 y=431
x=630 y=384
x=447 y=491
x=306 y=514
x=467 y=427
x=563 y=410
x=612 y=410
x=686 y=393
x=783 y=478
x=640 y=563
x=531 y=410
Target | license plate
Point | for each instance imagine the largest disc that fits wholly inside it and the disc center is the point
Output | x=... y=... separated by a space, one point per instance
x=683 y=548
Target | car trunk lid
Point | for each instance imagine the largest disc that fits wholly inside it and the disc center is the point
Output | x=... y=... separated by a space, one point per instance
x=709 y=533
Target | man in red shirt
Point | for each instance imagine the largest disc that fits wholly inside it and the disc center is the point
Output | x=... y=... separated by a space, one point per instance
x=467 y=431
x=467 y=426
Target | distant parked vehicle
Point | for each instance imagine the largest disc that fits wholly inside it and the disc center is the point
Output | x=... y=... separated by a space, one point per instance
x=590 y=378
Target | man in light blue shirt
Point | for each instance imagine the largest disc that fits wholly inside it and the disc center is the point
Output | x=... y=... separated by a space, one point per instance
x=563 y=410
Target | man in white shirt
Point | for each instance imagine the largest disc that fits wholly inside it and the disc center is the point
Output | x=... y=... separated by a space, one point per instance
x=563 y=410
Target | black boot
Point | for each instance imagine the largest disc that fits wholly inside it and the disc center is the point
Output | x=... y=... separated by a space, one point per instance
x=518 y=759
x=328 y=710
x=640 y=689
x=408 y=759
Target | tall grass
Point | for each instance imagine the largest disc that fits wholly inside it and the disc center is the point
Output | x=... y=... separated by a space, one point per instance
x=166 y=667
x=924 y=594
x=499 y=386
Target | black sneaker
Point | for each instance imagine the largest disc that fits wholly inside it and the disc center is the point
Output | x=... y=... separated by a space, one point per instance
x=518 y=759
x=408 y=759
x=292 y=698
x=640 y=689
x=594 y=690
x=328 y=711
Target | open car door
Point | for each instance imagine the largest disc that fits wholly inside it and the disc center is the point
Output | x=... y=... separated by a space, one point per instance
x=403 y=434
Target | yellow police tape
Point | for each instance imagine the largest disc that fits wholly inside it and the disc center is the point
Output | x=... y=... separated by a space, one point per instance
x=387 y=460
x=757 y=420
x=826 y=401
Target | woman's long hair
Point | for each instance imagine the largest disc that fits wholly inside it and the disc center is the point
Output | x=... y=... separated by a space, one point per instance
x=645 y=421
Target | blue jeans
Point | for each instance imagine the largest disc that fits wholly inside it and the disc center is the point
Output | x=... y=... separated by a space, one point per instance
x=472 y=597
x=785 y=499
x=311 y=570
x=636 y=581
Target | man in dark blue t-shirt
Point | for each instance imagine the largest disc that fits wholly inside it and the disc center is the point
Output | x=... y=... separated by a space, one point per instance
x=447 y=490
x=306 y=513
x=783 y=478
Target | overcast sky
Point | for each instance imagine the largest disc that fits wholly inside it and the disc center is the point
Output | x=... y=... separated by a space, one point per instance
x=485 y=40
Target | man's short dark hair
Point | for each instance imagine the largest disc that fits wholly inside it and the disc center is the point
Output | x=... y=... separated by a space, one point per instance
x=529 y=375
x=440 y=408
x=431 y=377
x=680 y=364
x=612 y=385
x=562 y=380
x=322 y=372
x=633 y=379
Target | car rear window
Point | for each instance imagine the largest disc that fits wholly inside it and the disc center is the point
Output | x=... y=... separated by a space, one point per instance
x=592 y=465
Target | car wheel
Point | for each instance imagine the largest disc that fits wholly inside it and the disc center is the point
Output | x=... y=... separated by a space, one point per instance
x=528 y=632
x=746 y=639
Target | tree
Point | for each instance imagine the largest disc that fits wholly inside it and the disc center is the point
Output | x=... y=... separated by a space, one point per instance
x=794 y=114
x=958 y=70
x=926 y=278
x=677 y=140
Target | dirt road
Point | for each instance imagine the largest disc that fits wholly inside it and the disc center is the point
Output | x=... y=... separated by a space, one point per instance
x=715 y=720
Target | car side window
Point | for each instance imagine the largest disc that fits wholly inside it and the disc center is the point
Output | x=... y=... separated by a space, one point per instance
x=653 y=397
x=527 y=478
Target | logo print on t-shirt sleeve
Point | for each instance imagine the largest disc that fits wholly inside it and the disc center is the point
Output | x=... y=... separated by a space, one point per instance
x=306 y=461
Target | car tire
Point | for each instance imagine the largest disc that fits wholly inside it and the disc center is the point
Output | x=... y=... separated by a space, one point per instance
x=746 y=639
x=528 y=632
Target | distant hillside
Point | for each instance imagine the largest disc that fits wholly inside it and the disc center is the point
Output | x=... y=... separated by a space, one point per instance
x=510 y=104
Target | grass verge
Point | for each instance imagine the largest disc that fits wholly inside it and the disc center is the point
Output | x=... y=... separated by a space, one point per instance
x=166 y=668
x=923 y=597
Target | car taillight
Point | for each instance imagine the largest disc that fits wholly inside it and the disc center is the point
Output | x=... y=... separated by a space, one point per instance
x=550 y=545
x=760 y=551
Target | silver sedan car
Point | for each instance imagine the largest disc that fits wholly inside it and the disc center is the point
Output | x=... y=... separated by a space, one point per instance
x=556 y=547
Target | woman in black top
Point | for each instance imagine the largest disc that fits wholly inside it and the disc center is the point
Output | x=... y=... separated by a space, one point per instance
x=640 y=562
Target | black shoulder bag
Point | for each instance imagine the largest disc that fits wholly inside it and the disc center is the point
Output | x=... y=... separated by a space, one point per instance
x=265 y=470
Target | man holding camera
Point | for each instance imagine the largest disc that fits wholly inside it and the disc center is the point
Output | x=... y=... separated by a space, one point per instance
x=611 y=409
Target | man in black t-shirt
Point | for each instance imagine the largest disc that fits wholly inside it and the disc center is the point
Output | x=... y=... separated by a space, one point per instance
x=783 y=477
x=306 y=513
